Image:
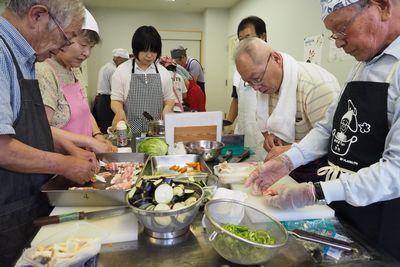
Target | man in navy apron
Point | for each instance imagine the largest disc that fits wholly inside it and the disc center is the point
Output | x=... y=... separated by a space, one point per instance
x=360 y=134
x=27 y=145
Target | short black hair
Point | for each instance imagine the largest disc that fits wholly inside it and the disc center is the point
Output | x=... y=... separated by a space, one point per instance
x=146 y=38
x=259 y=25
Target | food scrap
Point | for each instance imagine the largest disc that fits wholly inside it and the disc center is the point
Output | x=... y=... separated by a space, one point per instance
x=190 y=167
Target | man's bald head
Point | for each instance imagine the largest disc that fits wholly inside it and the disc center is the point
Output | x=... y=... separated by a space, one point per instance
x=253 y=47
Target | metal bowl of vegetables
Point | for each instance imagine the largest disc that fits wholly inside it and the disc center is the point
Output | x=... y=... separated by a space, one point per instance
x=242 y=234
x=209 y=150
x=165 y=207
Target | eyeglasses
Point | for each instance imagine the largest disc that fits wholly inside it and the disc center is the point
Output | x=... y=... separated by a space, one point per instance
x=341 y=34
x=67 y=41
x=258 y=81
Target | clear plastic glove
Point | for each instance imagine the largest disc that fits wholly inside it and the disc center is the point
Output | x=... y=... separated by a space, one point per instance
x=276 y=151
x=291 y=196
x=268 y=173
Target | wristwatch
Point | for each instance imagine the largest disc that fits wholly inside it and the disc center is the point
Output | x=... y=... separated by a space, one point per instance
x=319 y=194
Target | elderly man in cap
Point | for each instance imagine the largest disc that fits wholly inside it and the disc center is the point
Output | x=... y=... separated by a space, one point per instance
x=360 y=133
x=192 y=65
x=291 y=96
x=31 y=30
x=102 y=105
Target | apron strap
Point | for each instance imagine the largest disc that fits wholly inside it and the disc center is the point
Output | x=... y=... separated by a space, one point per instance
x=20 y=76
x=332 y=171
x=133 y=66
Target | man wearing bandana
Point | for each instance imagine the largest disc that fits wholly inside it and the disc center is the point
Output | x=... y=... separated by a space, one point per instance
x=361 y=131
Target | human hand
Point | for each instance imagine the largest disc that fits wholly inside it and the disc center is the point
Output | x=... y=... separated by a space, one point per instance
x=117 y=118
x=110 y=147
x=268 y=173
x=78 y=170
x=85 y=155
x=271 y=141
x=276 y=151
x=290 y=196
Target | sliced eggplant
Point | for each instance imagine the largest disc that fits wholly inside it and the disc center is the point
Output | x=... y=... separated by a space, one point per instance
x=190 y=201
x=140 y=202
x=178 y=205
x=162 y=220
x=189 y=191
x=178 y=191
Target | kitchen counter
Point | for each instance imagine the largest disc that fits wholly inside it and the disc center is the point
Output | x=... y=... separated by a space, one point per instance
x=195 y=250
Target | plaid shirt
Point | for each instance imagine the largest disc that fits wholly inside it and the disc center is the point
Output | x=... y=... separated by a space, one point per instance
x=10 y=98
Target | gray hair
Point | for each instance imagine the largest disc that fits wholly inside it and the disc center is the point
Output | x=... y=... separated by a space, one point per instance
x=252 y=46
x=65 y=11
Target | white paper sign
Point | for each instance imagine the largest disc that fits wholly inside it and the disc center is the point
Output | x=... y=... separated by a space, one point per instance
x=313 y=48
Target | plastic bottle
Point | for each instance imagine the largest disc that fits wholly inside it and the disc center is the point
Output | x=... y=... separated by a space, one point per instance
x=122 y=134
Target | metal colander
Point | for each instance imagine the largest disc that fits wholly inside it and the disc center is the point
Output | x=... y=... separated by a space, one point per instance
x=234 y=248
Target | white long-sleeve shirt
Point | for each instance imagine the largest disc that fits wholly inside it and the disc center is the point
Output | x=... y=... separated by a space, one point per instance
x=104 y=81
x=380 y=181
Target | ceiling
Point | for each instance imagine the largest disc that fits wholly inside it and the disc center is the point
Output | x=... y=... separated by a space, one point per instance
x=197 y=6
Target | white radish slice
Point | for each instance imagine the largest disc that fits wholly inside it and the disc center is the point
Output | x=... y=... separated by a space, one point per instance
x=164 y=194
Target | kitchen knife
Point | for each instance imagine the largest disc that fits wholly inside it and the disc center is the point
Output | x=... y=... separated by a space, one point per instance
x=100 y=214
x=325 y=240
x=241 y=157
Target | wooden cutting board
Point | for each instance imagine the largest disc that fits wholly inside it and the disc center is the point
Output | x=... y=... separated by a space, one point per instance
x=192 y=126
x=194 y=133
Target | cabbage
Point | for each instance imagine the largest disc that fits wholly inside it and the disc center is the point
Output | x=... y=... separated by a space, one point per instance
x=153 y=147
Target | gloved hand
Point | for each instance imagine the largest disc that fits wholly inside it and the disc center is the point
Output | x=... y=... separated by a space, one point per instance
x=290 y=196
x=268 y=173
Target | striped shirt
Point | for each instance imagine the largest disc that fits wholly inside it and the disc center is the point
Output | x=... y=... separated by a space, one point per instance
x=10 y=97
x=316 y=90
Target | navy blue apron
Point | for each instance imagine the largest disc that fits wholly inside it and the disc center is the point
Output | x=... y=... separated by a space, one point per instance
x=20 y=198
x=360 y=127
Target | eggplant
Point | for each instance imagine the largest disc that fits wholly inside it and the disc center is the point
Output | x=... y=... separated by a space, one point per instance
x=178 y=191
x=162 y=220
x=190 y=201
x=148 y=188
x=167 y=181
x=142 y=201
x=178 y=205
x=157 y=182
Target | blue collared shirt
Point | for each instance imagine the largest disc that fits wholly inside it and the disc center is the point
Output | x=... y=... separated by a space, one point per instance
x=380 y=181
x=10 y=97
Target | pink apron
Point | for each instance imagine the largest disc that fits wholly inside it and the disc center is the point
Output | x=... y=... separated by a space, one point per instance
x=79 y=121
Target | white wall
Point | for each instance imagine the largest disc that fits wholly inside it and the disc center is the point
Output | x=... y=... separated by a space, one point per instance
x=118 y=25
x=215 y=59
x=288 y=22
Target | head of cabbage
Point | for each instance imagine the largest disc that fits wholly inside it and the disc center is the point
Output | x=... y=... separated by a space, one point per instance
x=153 y=147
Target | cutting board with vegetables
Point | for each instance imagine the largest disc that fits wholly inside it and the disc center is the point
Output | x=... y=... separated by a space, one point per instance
x=116 y=229
x=308 y=212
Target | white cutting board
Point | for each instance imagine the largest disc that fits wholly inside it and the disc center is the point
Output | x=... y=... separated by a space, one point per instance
x=117 y=229
x=173 y=120
x=308 y=212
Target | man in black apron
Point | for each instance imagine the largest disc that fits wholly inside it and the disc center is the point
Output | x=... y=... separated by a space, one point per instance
x=21 y=200
x=362 y=128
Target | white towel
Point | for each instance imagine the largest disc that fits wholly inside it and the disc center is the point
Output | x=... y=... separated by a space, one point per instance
x=282 y=121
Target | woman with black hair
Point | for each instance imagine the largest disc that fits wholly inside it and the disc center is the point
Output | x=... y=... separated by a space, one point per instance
x=140 y=84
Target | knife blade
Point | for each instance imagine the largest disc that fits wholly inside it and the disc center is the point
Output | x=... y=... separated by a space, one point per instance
x=325 y=240
x=241 y=157
x=80 y=215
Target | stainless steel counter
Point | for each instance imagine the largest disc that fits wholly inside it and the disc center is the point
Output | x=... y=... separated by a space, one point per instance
x=194 y=250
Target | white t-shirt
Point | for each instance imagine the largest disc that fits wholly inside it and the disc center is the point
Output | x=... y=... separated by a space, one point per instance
x=121 y=80
x=180 y=86
x=104 y=82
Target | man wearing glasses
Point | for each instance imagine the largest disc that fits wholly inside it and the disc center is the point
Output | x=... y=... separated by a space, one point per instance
x=243 y=103
x=31 y=30
x=360 y=133
x=292 y=97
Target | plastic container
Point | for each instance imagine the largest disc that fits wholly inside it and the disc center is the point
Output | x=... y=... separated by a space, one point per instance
x=81 y=230
x=122 y=134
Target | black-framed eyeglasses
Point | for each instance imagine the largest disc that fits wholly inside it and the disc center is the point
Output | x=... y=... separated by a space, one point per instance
x=341 y=34
x=67 y=41
x=258 y=81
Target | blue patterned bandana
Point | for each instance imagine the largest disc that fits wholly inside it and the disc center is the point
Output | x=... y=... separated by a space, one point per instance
x=328 y=6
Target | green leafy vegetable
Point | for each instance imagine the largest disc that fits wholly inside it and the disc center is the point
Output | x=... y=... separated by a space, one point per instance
x=153 y=146
x=258 y=236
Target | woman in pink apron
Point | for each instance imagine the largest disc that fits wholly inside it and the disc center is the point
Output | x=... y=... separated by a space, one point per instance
x=64 y=95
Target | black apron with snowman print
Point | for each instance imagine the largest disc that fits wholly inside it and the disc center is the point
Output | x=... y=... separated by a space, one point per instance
x=360 y=127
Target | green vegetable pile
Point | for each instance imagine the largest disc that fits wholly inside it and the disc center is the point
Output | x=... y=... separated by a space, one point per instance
x=153 y=147
x=257 y=236
x=242 y=253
